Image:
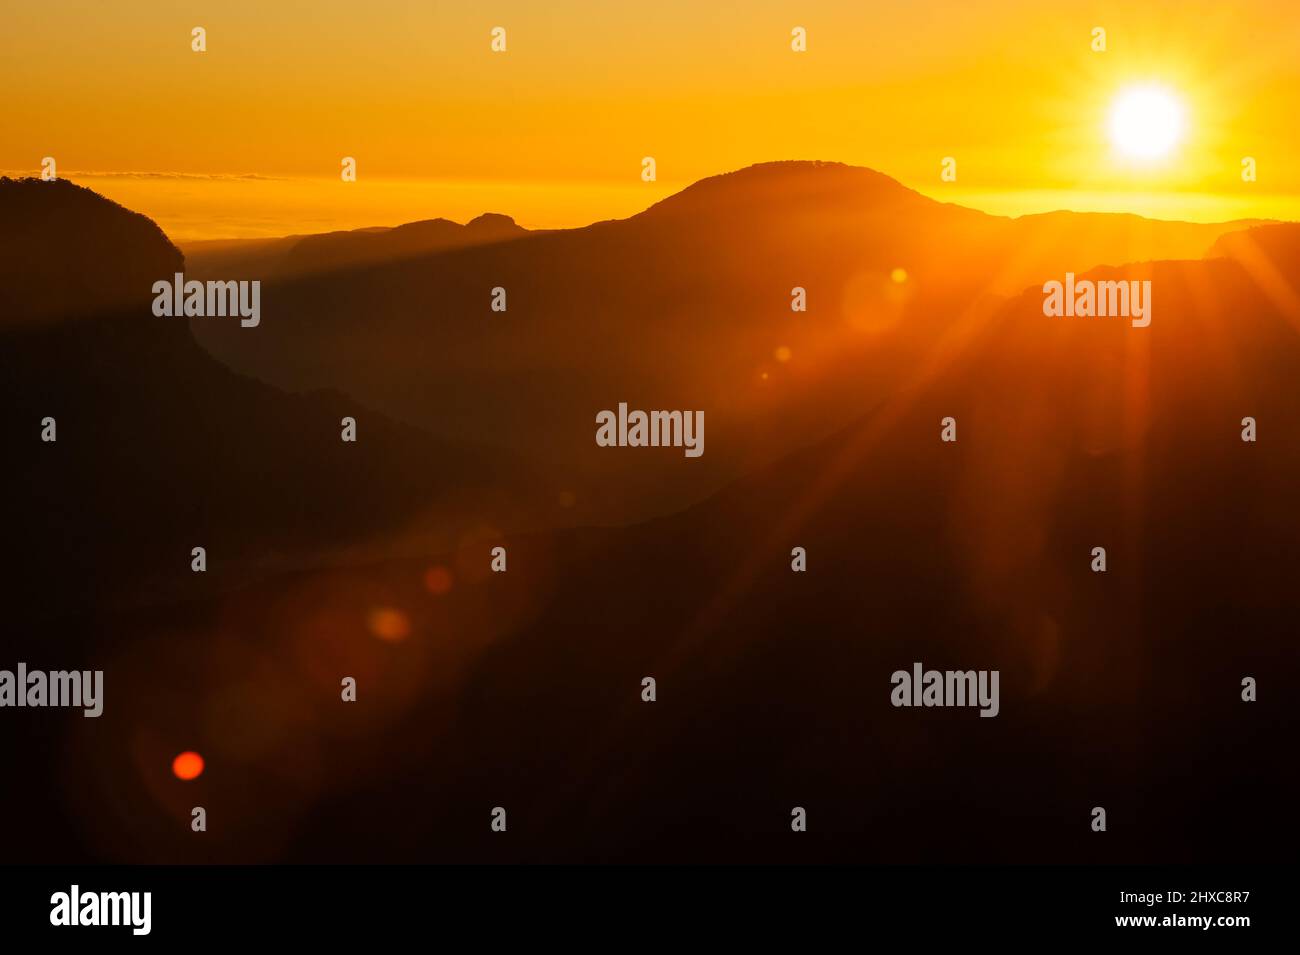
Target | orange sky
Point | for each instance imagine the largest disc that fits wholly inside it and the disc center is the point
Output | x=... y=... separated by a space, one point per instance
x=553 y=130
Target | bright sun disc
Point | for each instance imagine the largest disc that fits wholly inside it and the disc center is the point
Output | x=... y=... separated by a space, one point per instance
x=1146 y=123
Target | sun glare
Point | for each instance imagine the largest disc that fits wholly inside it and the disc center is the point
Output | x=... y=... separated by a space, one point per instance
x=1146 y=122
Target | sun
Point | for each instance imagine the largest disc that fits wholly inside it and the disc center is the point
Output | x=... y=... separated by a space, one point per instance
x=1146 y=122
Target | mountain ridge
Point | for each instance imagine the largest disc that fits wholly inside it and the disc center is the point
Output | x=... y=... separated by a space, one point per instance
x=148 y=422
x=688 y=301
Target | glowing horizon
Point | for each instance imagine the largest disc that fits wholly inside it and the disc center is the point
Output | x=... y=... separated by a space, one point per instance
x=231 y=208
x=553 y=130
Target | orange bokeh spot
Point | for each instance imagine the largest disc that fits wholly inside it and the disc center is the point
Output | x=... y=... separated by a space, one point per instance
x=783 y=353
x=188 y=765
x=389 y=624
x=437 y=580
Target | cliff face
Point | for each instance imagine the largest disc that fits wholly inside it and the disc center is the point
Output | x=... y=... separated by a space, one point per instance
x=66 y=251
x=159 y=448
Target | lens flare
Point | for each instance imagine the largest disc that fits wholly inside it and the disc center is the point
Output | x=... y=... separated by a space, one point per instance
x=188 y=765
x=389 y=624
x=437 y=580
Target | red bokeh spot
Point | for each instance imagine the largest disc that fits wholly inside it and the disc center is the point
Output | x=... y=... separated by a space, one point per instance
x=389 y=624
x=438 y=580
x=188 y=765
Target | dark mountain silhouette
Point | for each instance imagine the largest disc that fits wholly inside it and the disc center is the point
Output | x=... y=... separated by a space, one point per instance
x=299 y=255
x=160 y=448
x=684 y=306
x=66 y=251
x=1119 y=689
